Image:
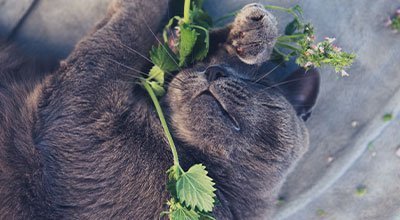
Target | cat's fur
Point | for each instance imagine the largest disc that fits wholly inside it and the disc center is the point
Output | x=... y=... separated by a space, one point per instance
x=86 y=143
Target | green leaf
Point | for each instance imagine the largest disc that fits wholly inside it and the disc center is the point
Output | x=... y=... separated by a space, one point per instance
x=387 y=117
x=206 y=216
x=198 y=3
x=168 y=26
x=202 y=44
x=157 y=88
x=182 y=213
x=157 y=74
x=164 y=58
x=174 y=172
x=200 y=17
x=292 y=27
x=186 y=43
x=196 y=189
x=298 y=9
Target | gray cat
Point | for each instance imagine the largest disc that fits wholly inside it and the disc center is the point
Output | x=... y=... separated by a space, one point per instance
x=85 y=142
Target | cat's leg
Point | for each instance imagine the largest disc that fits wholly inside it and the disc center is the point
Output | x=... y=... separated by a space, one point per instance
x=250 y=37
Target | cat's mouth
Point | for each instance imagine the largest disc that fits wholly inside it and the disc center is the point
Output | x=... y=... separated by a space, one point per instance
x=220 y=105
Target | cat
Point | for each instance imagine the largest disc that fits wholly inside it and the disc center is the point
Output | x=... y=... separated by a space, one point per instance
x=85 y=142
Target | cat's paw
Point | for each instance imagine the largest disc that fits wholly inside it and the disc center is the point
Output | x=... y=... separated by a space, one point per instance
x=253 y=34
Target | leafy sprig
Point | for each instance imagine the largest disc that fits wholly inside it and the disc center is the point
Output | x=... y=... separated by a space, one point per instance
x=192 y=191
x=394 y=21
x=186 y=40
x=299 y=42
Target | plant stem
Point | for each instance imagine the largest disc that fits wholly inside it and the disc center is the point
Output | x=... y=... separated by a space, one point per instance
x=232 y=14
x=163 y=122
x=289 y=37
x=288 y=46
x=186 y=12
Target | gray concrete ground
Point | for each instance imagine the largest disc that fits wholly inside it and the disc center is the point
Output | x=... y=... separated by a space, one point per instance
x=351 y=170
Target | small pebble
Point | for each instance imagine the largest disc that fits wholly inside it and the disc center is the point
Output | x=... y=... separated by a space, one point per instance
x=321 y=213
x=330 y=159
x=361 y=190
x=354 y=124
x=387 y=117
x=373 y=154
x=398 y=152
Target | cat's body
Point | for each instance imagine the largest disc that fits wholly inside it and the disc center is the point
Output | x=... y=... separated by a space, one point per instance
x=86 y=143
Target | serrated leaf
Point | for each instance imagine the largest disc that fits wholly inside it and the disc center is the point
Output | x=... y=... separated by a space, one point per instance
x=298 y=9
x=168 y=26
x=292 y=27
x=182 y=213
x=157 y=88
x=173 y=175
x=200 y=17
x=206 y=216
x=164 y=58
x=196 y=189
x=202 y=45
x=157 y=74
x=198 y=3
x=174 y=172
x=186 y=43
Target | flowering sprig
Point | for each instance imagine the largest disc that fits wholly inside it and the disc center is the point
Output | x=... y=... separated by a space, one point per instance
x=325 y=52
x=394 y=21
x=299 y=42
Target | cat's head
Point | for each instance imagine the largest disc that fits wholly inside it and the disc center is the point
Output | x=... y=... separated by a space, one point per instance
x=222 y=106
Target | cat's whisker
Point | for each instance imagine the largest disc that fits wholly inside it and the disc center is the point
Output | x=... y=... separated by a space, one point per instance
x=162 y=45
x=174 y=85
x=143 y=56
x=137 y=52
x=283 y=83
x=128 y=67
x=269 y=72
x=167 y=84
x=253 y=73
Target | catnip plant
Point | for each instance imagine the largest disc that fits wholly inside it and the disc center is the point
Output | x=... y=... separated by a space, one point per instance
x=186 y=41
x=192 y=191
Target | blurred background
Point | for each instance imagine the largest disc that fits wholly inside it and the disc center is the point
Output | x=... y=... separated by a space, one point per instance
x=352 y=169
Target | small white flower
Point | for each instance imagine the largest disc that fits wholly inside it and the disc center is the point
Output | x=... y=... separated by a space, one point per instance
x=308 y=64
x=321 y=49
x=398 y=12
x=388 y=22
x=336 y=48
x=310 y=52
x=330 y=39
x=344 y=73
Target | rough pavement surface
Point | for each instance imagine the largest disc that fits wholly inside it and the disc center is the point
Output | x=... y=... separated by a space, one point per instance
x=351 y=170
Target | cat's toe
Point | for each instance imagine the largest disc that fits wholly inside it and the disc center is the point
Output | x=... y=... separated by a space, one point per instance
x=253 y=34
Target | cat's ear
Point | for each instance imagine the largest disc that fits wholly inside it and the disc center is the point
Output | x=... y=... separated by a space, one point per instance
x=301 y=89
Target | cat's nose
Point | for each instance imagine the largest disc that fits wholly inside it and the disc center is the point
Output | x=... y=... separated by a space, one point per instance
x=214 y=72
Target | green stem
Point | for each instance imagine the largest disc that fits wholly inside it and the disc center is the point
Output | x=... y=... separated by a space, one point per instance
x=288 y=46
x=220 y=19
x=285 y=57
x=186 y=12
x=293 y=36
x=163 y=122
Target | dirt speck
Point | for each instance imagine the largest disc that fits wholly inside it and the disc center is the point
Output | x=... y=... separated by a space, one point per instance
x=398 y=152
